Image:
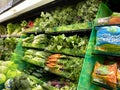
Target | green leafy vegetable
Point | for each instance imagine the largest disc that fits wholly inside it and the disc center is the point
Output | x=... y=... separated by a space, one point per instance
x=35 y=57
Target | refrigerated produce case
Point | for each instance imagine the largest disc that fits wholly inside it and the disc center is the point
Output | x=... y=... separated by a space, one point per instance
x=70 y=41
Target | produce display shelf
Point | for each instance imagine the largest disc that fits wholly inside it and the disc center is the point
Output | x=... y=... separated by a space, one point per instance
x=82 y=31
x=82 y=55
x=33 y=48
x=60 y=75
x=21 y=8
x=5 y=36
x=86 y=31
x=107 y=25
x=102 y=85
x=34 y=32
x=89 y=61
x=105 y=54
x=85 y=80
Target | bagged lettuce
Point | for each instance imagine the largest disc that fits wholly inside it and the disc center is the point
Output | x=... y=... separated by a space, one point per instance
x=101 y=21
x=113 y=19
x=105 y=75
x=116 y=14
x=108 y=40
x=118 y=74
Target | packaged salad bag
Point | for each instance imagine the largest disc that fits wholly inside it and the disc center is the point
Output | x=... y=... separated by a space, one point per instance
x=105 y=75
x=108 y=40
x=111 y=20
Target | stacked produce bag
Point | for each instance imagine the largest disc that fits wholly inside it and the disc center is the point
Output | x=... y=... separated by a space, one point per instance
x=106 y=73
x=107 y=39
x=111 y=20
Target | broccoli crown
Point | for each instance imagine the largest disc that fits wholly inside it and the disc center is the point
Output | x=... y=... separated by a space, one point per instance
x=21 y=83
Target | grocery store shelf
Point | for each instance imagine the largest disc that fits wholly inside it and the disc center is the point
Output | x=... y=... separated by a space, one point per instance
x=34 y=32
x=107 y=25
x=5 y=36
x=102 y=85
x=86 y=31
x=21 y=8
x=53 y=52
x=80 y=31
x=28 y=47
x=105 y=54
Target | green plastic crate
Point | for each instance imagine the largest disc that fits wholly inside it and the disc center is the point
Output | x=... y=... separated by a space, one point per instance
x=85 y=80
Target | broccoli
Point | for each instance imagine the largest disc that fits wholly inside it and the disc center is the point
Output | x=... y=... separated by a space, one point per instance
x=21 y=83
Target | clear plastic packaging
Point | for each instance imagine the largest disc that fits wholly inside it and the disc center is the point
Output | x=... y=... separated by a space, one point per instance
x=108 y=40
x=105 y=75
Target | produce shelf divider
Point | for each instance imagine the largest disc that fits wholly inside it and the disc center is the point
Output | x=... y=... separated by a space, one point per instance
x=105 y=54
x=108 y=25
x=85 y=80
x=53 y=52
x=5 y=36
x=70 y=31
x=34 y=32
x=81 y=31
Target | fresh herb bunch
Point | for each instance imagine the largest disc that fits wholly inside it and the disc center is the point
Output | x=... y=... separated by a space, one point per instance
x=87 y=9
x=84 y=11
x=24 y=23
x=13 y=28
x=45 y=21
x=61 y=43
x=38 y=41
x=9 y=44
x=3 y=30
x=65 y=15
x=20 y=83
x=35 y=57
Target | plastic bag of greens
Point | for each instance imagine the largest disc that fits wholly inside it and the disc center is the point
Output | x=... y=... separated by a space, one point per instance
x=113 y=19
x=101 y=21
x=118 y=74
x=105 y=75
x=108 y=40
